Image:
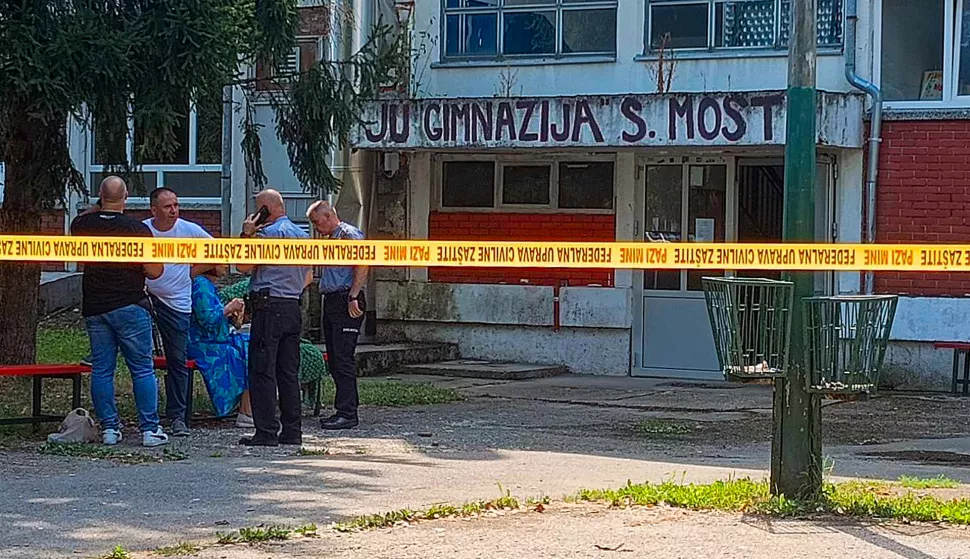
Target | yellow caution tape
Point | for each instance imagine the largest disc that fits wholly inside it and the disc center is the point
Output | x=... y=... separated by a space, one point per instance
x=623 y=255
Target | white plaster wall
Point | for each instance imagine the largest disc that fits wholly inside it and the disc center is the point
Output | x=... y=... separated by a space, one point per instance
x=917 y=366
x=912 y=363
x=624 y=75
x=520 y=305
x=593 y=351
x=932 y=319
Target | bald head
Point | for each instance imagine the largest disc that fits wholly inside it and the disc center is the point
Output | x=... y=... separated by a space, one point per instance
x=273 y=201
x=113 y=192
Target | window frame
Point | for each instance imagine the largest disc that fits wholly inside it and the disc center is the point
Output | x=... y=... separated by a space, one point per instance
x=952 y=29
x=558 y=6
x=161 y=168
x=777 y=46
x=503 y=160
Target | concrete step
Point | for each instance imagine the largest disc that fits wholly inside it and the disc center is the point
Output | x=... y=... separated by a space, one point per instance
x=493 y=370
x=385 y=359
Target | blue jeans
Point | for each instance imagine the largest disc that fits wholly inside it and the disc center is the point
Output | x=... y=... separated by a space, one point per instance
x=129 y=329
x=174 y=328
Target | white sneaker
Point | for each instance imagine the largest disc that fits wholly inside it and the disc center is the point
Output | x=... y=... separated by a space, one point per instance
x=111 y=436
x=154 y=438
x=243 y=420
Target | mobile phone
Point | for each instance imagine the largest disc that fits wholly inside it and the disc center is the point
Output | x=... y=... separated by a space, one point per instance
x=262 y=215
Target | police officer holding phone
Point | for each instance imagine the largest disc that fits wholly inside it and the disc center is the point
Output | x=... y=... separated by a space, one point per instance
x=343 y=314
x=277 y=324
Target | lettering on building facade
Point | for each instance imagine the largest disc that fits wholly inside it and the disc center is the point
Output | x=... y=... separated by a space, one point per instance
x=722 y=119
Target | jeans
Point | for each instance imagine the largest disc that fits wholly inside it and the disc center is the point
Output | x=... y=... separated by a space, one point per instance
x=340 y=332
x=274 y=368
x=129 y=329
x=174 y=328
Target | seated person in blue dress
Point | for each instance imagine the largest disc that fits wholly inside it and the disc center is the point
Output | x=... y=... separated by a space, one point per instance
x=219 y=351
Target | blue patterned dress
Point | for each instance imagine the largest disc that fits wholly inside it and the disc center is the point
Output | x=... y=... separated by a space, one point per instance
x=219 y=352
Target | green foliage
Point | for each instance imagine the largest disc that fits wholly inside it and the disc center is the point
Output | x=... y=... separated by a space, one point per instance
x=99 y=452
x=659 y=427
x=255 y=534
x=325 y=103
x=853 y=499
x=121 y=60
x=178 y=550
x=118 y=552
x=434 y=512
x=938 y=482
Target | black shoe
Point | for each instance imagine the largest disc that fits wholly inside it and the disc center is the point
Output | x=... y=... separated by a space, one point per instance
x=255 y=441
x=291 y=439
x=337 y=423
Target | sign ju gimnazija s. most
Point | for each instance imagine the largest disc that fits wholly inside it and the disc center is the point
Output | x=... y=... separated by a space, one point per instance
x=620 y=121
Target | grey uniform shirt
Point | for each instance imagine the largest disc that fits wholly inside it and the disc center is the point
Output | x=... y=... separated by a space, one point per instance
x=286 y=282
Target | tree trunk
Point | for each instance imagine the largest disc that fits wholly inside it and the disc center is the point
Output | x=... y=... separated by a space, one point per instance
x=20 y=215
x=19 y=288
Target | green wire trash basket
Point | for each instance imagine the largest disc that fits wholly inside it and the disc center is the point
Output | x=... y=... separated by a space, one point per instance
x=846 y=338
x=751 y=323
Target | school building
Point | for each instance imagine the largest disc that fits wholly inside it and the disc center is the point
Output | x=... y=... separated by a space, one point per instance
x=628 y=120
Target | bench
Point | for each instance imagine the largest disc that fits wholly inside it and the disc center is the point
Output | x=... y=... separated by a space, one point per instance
x=37 y=373
x=957 y=383
x=161 y=364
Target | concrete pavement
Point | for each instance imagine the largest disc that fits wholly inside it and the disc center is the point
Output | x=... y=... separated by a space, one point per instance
x=548 y=437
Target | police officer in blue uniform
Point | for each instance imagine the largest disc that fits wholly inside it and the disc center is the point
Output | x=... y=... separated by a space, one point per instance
x=277 y=324
x=343 y=314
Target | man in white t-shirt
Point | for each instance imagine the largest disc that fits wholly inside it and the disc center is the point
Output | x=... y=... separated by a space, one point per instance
x=171 y=296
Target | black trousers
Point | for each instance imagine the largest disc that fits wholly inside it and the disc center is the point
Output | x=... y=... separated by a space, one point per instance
x=274 y=368
x=340 y=332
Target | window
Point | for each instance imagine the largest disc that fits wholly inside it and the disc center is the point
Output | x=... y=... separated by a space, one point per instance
x=526 y=185
x=517 y=183
x=935 y=68
x=468 y=184
x=683 y=203
x=305 y=54
x=730 y=24
x=529 y=28
x=192 y=169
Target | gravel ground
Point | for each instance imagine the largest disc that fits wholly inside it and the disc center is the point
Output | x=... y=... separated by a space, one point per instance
x=591 y=531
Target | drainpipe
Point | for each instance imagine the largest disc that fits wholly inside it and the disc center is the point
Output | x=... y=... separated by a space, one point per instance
x=875 y=127
x=226 y=178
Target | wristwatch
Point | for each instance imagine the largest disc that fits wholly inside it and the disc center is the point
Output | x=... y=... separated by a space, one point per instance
x=354 y=298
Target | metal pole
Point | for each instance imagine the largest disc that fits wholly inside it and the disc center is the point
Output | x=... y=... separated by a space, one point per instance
x=796 y=450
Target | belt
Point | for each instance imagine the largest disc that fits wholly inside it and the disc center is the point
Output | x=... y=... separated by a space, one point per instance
x=337 y=292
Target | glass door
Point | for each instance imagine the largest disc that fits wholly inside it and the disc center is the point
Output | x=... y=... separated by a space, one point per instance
x=684 y=200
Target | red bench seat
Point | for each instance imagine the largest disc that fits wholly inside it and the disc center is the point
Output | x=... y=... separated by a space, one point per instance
x=37 y=373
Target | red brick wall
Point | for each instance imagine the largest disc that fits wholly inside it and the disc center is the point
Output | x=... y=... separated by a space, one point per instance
x=52 y=223
x=448 y=226
x=923 y=196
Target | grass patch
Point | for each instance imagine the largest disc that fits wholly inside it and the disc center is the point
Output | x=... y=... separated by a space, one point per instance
x=435 y=512
x=853 y=499
x=660 y=427
x=397 y=394
x=117 y=553
x=304 y=451
x=62 y=345
x=178 y=550
x=260 y=534
x=938 y=482
x=100 y=452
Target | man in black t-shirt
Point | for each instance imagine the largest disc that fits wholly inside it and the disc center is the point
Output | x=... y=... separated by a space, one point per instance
x=116 y=312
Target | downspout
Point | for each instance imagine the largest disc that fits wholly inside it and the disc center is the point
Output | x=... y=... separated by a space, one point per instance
x=226 y=177
x=875 y=127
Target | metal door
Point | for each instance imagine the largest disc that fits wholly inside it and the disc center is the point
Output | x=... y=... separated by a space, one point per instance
x=683 y=199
